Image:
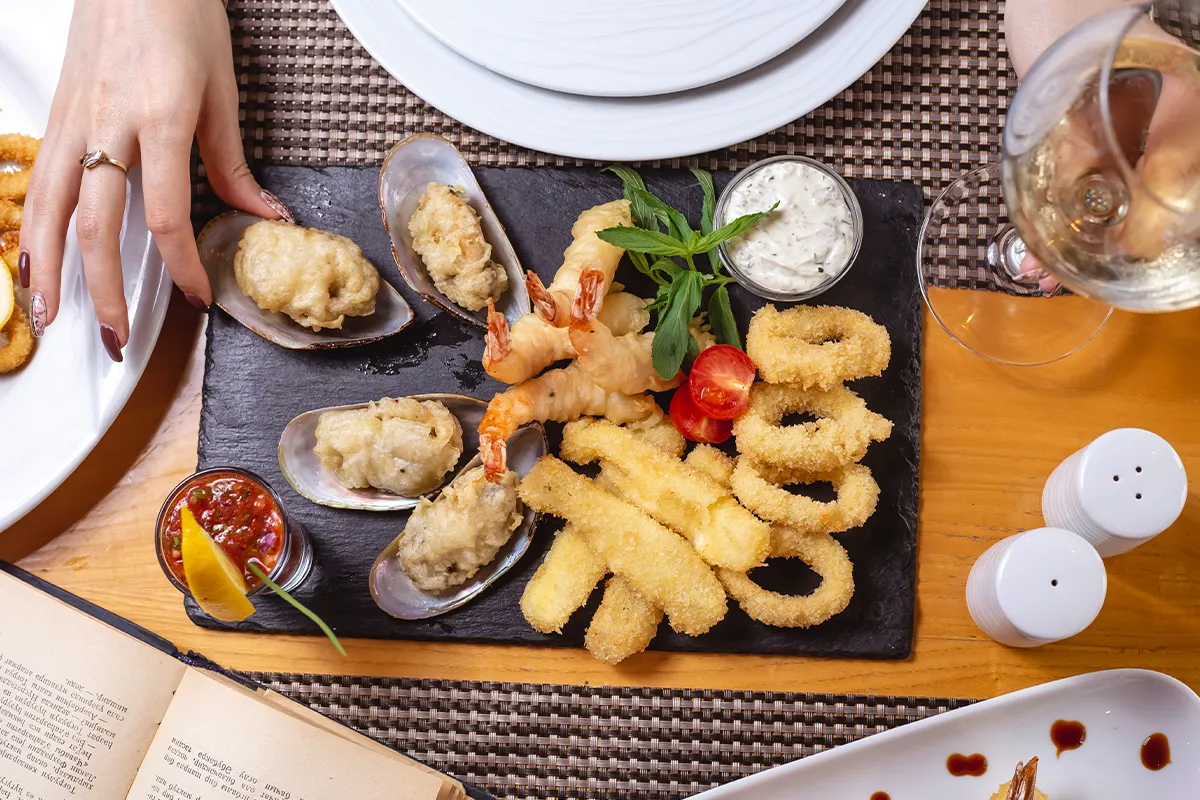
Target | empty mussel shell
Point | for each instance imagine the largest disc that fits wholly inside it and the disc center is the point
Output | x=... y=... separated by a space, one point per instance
x=408 y=169
x=218 y=244
x=395 y=593
x=311 y=480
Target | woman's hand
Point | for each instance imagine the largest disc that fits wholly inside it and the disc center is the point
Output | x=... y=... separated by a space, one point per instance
x=141 y=77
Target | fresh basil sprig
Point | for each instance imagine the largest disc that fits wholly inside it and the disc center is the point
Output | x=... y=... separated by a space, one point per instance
x=662 y=232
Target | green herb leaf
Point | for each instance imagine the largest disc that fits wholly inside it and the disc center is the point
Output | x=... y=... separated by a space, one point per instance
x=673 y=218
x=642 y=264
x=721 y=319
x=693 y=350
x=262 y=576
x=654 y=243
x=666 y=266
x=708 y=212
x=671 y=335
x=631 y=182
x=735 y=228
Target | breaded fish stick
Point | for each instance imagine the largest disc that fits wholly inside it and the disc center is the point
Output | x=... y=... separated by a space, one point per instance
x=723 y=532
x=713 y=463
x=10 y=216
x=14 y=184
x=659 y=564
x=19 y=148
x=563 y=582
x=623 y=625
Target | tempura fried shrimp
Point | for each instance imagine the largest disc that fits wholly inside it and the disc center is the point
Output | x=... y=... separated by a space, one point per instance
x=10 y=243
x=844 y=429
x=14 y=184
x=712 y=462
x=657 y=562
x=20 y=342
x=617 y=363
x=722 y=531
x=826 y=557
x=623 y=625
x=563 y=582
x=518 y=352
x=761 y=491
x=587 y=250
x=10 y=215
x=560 y=395
x=817 y=346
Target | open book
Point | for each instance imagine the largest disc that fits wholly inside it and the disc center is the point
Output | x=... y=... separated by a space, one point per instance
x=90 y=712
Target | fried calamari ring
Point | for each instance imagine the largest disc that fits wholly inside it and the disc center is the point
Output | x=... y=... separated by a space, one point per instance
x=844 y=429
x=19 y=148
x=15 y=183
x=816 y=345
x=826 y=557
x=10 y=215
x=20 y=342
x=762 y=492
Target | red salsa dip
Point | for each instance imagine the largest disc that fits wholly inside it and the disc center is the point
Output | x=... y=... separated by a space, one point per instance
x=237 y=511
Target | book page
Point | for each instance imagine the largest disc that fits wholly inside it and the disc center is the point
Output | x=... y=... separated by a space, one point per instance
x=218 y=742
x=79 y=701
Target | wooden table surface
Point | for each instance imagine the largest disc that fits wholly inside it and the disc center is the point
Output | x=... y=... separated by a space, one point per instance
x=991 y=435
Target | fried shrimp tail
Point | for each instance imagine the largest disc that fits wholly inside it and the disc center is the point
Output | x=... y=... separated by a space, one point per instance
x=560 y=395
x=658 y=563
x=617 y=363
x=519 y=352
x=586 y=250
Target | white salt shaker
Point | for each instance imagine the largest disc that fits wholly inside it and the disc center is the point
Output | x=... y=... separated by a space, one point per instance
x=1123 y=489
x=1036 y=587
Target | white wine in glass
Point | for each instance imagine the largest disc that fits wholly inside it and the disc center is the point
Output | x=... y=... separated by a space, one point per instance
x=1098 y=181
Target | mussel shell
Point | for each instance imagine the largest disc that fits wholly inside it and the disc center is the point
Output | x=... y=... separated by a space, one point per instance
x=410 y=167
x=395 y=593
x=218 y=244
x=304 y=471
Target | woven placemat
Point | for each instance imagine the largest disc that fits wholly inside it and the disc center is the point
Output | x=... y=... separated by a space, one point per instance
x=543 y=741
x=931 y=109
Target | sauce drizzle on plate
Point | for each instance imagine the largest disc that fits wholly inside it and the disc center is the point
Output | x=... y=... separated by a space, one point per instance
x=881 y=796
x=959 y=765
x=1067 y=734
x=1156 y=751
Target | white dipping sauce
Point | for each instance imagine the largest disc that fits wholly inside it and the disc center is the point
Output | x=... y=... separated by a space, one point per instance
x=805 y=242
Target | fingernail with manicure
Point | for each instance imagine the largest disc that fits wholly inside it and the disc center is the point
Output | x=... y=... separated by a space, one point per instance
x=277 y=206
x=23 y=269
x=195 y=302
x=37 y=314
x=111 y=343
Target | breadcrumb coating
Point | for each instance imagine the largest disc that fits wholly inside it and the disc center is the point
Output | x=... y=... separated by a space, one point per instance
x=819 y=346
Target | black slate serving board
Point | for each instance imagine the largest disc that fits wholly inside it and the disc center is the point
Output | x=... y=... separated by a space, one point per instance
x=252 y=388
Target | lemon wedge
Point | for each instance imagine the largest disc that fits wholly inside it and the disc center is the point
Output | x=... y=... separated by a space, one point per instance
x=8 y=300
x=215 y=581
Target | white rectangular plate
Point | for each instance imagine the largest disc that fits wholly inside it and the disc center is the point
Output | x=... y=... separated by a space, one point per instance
x=1120 y=708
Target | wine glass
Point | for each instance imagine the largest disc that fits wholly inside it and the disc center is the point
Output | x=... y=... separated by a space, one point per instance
x=1091 y=205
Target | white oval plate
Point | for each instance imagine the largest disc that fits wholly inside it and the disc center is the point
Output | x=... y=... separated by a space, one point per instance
x=632 y=129
x=620 y=48
x=1119 y=708
x=54 y=411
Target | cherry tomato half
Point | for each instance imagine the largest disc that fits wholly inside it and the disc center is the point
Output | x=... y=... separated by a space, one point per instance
x=720 y=381
x=693 y=423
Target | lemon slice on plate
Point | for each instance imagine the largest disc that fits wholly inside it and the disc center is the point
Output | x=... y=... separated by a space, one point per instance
x=8 y=300
x=215 y=581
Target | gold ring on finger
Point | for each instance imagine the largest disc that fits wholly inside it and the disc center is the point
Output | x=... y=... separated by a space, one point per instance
x=94 y=158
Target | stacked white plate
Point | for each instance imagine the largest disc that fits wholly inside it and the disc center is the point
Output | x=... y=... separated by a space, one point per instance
x=627 y=80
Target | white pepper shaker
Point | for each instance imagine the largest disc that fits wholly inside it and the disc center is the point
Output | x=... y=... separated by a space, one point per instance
x=1123 y=489
x=1036 y=587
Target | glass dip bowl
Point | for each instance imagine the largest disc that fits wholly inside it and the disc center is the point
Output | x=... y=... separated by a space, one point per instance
x=258 y=527
x=722 y=215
